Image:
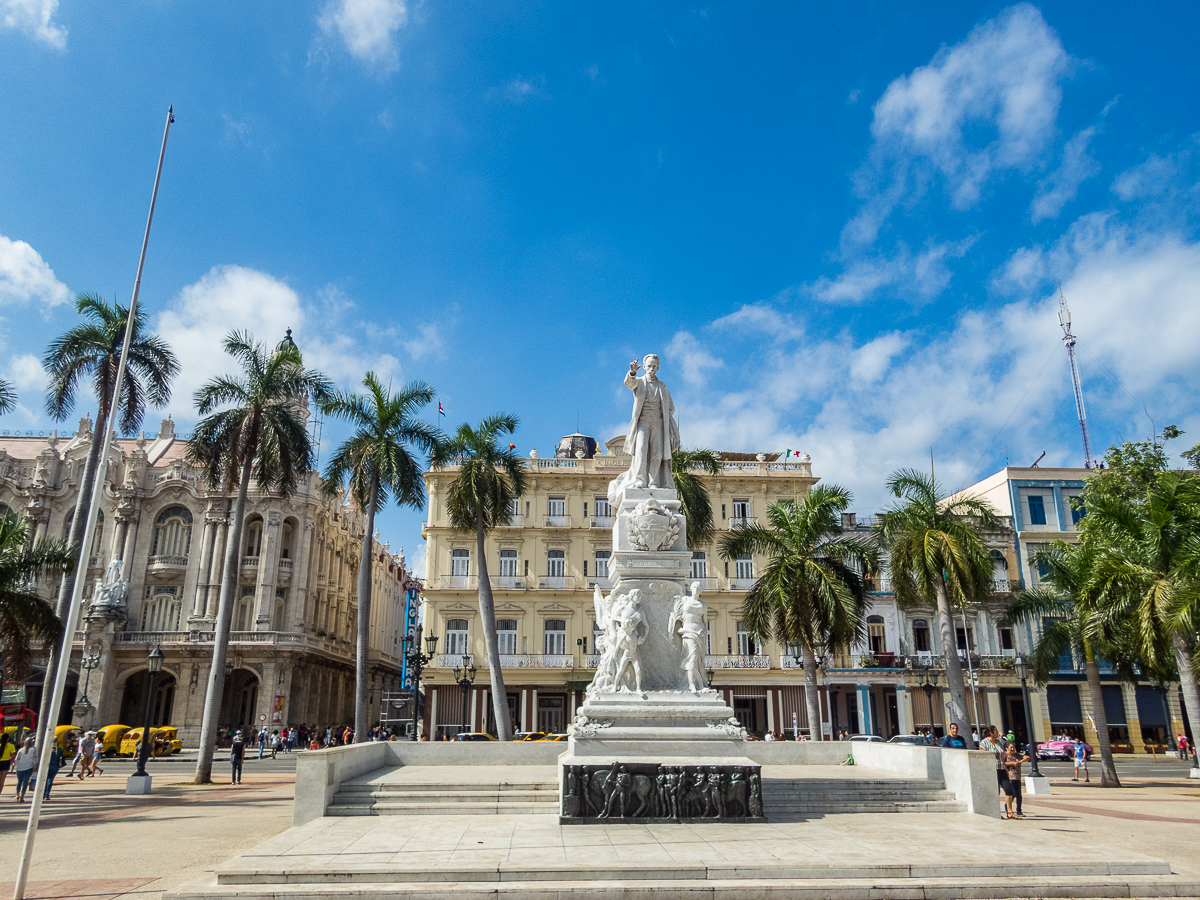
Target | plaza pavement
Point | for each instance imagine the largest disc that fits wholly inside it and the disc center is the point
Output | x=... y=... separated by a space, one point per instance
x=98 y=843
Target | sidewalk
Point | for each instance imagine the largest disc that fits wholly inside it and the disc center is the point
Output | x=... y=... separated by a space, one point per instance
x=96 y=842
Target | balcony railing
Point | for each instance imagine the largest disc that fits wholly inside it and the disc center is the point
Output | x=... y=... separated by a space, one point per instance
x=602 y=580
x=514 y=521
x=558 y=521
x=509 y=582
x=458 y=582
x=1001 y=586
x=556 y=582
x=591 y=660
x=450 y=660
x=877 y=584
x=737 y=662
x=206 y=637
x=602 y=521
x=249 y=562
x=742 y=521
x=168 y=562
x=740 y=584
x=510 y=660
x=285 y=565
x=706 y=584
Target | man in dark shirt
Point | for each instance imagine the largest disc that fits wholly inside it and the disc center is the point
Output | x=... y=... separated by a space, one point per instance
x=237 y=754
x=954 y=739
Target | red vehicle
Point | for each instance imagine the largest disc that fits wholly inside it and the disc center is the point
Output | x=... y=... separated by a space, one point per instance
x=1061 y=746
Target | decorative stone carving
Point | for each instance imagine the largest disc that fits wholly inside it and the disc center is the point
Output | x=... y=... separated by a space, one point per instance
x=689 y=626
x=110 y=595
x=653 y=527
x=655 y=792
x=730 y=726
x=624 y=630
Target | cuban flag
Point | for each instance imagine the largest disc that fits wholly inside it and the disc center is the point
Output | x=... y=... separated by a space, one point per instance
x=441 y=412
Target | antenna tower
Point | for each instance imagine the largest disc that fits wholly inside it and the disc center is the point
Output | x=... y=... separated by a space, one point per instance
x=1064 y=319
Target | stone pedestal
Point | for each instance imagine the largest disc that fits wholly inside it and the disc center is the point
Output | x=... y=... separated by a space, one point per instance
x=650 y=743
x=1039 y=785
x=137 y=784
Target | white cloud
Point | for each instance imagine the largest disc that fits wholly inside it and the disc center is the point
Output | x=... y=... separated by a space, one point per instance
x=521 y=90
x=25 y=276
x=1060 y=187
x=426 y=342
x=918 y=277
x=693 y=358
x=33 y=18
x=368 y=28
x=1149 y=179
x=28 y=378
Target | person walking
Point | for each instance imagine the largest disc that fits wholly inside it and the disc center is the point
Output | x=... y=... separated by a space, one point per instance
x=24 y=764
x=276 y=743
x=87 y=753
x=1080 y=754
x=262 y=741
x=7 y=748
x=1182 y=743
x=328 y=737
x=1013 y=758
x=58 y=759
x=237 y=756
x=991 y=743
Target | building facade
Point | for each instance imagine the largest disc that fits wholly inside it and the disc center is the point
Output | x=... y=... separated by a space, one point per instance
x=291 y=653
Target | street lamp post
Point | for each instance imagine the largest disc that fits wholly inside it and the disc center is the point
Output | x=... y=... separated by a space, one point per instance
x=417 y=660
x=90 y=661
x=1022 y=669
x=465 y=676
x=929 y=673
x=139 y=781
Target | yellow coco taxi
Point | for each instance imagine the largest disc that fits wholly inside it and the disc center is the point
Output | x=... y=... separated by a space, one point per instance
x=67 y=738
x=163 y=741
x=109 y=738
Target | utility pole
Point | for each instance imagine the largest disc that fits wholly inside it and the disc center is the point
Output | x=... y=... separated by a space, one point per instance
x=1064 y=319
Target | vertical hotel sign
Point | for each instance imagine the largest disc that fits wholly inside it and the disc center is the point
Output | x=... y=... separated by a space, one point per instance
x=412 y=612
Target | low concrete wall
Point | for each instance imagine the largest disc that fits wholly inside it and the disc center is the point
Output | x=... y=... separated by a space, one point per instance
x=319 y=773
x=970 y=774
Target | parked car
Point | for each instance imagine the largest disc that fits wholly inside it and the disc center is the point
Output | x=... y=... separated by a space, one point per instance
x=473 y=736
x=553 y=737
x=528 y=735
x=867 y=737
x=1060 y=746
x=917 y=739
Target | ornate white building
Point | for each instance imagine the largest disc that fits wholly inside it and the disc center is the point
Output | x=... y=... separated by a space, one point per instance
x=294 y=623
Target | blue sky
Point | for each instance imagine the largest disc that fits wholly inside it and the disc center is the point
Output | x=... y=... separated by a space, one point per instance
x=843 y=226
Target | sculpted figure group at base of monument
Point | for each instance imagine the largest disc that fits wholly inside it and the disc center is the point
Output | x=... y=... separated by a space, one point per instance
x=655 y=791
x=623 y=629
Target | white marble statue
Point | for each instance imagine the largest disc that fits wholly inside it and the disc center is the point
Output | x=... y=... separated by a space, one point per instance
x=624 y=630
x=689 y=625
x=652 y=434
x=113 y=591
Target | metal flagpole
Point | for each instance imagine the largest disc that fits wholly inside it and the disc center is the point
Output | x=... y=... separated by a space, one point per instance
x=64 y=655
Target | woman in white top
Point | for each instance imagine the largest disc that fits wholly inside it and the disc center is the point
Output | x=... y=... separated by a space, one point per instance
x=24 y=764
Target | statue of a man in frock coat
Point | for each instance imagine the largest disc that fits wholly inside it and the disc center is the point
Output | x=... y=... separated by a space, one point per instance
x=653 y=434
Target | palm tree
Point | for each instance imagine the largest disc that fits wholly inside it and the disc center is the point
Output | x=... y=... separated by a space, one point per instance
x=253 y=425
x=811 y=593
x=937 y=558
x=1068 y=614
x=1148 y=570
x=8 y=397
x=695 y=504
x=378 y=465
x=88 y=356
x=490 y=478
x=23 y=614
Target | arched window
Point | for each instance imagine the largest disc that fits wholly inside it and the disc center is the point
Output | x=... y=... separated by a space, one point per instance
x=506 y=632
x=556 y=563
x=460 y=563
x=555 y=643
x=285 y=541
x=876 y=634
x=173 y=532
x=97 y=538
x=456 y=637
x=6 y=511
x=254 y=532
x=508 y=565
x=921 y=636
x=243 y=615
x=162 y=608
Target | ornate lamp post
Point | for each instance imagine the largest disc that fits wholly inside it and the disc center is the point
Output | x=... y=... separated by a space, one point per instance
x=139 y=781
x=710 y=673
x=929 y=673
x=418 y=660
x=1021 y=667
x=464 y=675
x=90 y=661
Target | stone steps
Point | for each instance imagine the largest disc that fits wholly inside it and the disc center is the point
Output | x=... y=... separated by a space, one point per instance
x=434 y=799
x=790 y=798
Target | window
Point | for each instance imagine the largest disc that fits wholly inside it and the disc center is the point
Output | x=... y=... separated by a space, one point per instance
x=603 y=508
x=745 y=568
x=1006 y=639
x=508 y=564
x=243 y=615
x=745 y=643
x=285 y=542
x=162 y=609
x=460 y=562
x=254 y=538
x=6 y=511
x=456 y=637
x=699 y=564
x=514 y=508
x=602 y=557
x=97 y=541
x=556 y=563
x=741 y=510
x=557 y=506
x=555 y=643
x=1037 y=510
x=172 y=533
x=1038 y=570
x=1078 y=510
x=965 y=639
x=876 y=634
x=921 y=636
x=506 y=634
x=597 y=634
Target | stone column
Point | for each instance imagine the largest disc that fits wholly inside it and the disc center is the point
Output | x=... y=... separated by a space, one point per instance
x=268 y=563
x=863 y=695
x=901 y=709
x=131 y=529
x=995 y=714
x=117 y=546
x=770 y=710
x=200 y=601
x=216 y=571
x=1132 y=720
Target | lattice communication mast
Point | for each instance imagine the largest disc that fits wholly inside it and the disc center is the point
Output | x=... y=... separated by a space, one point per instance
x=1064 y=319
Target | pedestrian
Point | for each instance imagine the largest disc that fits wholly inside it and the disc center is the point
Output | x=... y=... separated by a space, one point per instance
x=262 y=741
x=348 y=735
x=24 y=764
x=1080 y=754
x=58 y=759
x=276 y=742
x=1182 y=743
x=328 y=737
x=87 y=751
x=991 y=743
x=7 y=748
x=1013 y=758
x=237 y=756
x=314 y=744
x=954 y=739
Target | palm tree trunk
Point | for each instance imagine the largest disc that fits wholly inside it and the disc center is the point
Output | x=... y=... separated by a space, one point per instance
x=954 y=671
x=487 y=615
x=1187 y=681
x=362 y=677
x=1108 y=769
x=812 y=699
x=67 y=585
x=216 y=673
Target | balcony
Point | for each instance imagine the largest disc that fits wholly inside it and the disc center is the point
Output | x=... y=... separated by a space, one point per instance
x=742 y=521
x=706 y=584
x=450 y=660
x=207 y=637
x=458 y=582
x=250 y=563
x=514 y=521
x=876 y=584
x=737 y=662
x=1001 y=586
x=509 y=661
x=168 y=563
x=556 y=582
x=591 y=661
x=740 y=584
x=602 y=581
x=285 y=571
x=558 y=521
x=509 y=582
x=602 y=521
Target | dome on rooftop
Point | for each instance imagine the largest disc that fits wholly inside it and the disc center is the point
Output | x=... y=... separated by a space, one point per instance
x=287 y=343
